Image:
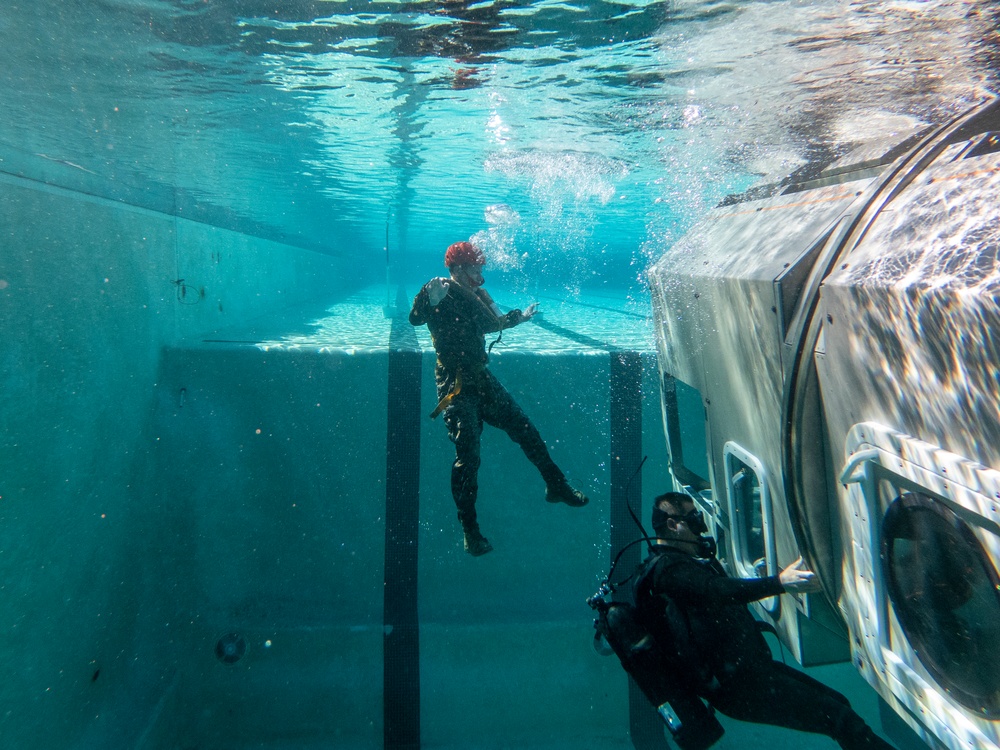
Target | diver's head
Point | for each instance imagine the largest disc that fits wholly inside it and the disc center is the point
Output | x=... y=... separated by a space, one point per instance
x=465 y=261
x=676 y=520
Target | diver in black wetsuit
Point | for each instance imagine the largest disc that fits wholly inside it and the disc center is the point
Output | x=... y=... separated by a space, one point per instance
x=743 y=681
x=459 y=313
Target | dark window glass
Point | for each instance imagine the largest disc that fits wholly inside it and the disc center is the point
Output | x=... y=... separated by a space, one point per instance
x=684 y=421
x=722 y=546
x=749 y=518
x=944 y=590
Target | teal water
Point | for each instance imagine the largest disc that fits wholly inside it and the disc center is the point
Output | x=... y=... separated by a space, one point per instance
x=577 y=140
x=172 y=471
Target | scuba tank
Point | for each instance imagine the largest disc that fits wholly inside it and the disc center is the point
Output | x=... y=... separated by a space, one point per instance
x=668 y=674
x=655 y=648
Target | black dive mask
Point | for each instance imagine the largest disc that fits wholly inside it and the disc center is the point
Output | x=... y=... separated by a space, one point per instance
x=694 y=520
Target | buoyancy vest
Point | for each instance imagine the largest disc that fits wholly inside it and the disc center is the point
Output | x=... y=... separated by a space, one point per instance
x=668 y=623
x=651 y=637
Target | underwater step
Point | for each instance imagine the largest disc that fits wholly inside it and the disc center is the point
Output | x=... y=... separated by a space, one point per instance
x=269 y=487
x=360 y=322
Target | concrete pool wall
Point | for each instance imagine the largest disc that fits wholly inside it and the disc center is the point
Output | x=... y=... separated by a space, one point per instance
x=166 y=495
x=89 y=298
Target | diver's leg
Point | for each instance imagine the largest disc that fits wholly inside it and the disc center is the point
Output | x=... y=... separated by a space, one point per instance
x=465 y=427
x=810 y=684
x=499 y=409
x=782 y=696
x=850 y=731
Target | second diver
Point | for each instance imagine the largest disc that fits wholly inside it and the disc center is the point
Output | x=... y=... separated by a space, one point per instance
x=459 y=313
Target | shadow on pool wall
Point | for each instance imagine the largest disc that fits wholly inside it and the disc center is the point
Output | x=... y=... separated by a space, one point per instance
x=508 y=634
x=270 y=479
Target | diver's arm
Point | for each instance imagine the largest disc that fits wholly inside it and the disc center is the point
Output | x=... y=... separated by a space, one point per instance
x=797 y=579
x=418 y=313
x=437 y=290
x=479 y=305
x=511 y=319
x=504 y=320
x=428 y=298
x=691 y=582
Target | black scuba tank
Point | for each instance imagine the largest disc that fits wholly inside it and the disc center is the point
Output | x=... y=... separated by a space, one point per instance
x=665 y=674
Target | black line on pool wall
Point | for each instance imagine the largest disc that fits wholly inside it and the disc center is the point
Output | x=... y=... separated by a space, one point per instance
x=645 y=727
x=401 y=634
x=614 y=310
x=579 y=338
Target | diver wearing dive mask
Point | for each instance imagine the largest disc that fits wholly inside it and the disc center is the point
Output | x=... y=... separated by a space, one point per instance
x=737 y=674
x=694 y=521
x=459 y=313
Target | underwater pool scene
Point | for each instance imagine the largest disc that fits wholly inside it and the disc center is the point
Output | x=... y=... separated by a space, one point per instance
x=763 y=241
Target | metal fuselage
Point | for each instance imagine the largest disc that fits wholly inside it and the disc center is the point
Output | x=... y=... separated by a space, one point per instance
x=830 y=365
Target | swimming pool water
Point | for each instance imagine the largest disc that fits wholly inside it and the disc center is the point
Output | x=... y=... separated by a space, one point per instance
x=173 y=469
x=580 y=324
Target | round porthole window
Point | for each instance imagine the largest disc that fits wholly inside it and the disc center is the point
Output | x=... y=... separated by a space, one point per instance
x=945 y=592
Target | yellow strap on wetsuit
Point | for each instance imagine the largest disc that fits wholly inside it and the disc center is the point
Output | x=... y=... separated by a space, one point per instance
x=445 y=402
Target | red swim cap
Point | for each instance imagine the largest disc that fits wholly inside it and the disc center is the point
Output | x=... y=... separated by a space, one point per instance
x=463 y=253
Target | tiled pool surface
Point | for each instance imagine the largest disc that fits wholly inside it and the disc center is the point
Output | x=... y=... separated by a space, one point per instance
x=587 y=323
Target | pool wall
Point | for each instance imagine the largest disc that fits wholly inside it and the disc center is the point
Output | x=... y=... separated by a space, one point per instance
x=90 y=295
x=166 y=493
x=270 y=480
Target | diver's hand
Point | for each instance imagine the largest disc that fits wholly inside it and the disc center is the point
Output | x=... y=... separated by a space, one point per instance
x=530 y=312
x=437 y=290
x=798 y=580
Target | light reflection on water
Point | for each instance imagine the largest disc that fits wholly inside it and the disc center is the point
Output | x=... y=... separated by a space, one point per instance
x=608 y=127
x=588 y=325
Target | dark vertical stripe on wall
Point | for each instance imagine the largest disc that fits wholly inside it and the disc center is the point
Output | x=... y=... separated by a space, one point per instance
x=645 y=727
x=401 y=639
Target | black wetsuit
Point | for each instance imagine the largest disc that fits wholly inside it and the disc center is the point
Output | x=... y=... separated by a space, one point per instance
x=458 y=325
x=748 y=684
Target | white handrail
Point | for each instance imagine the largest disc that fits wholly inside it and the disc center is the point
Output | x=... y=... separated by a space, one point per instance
x=847 y=475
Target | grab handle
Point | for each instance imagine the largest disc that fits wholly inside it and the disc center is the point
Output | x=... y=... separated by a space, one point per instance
x=849 y=475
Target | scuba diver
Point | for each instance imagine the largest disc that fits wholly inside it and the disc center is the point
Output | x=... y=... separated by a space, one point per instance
x=685 y=634
x=459 y=313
